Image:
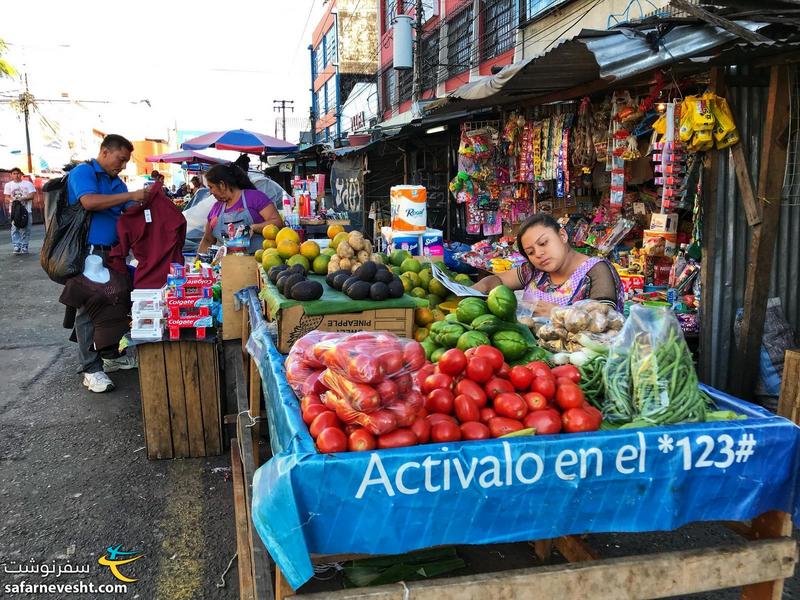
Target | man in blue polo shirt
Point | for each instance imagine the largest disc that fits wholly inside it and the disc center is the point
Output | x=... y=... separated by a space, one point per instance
x=99 y=189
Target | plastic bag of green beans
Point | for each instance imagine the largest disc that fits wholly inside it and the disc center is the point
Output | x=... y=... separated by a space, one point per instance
x=649 y=374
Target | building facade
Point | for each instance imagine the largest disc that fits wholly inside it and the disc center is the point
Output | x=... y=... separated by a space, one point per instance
x=342 y=54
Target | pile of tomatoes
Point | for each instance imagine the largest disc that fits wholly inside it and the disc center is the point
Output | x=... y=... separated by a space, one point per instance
x=475 y=395
x=470 y=395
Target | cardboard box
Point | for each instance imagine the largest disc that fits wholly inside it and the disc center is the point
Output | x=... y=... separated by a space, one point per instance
x=237 y=273
x=665 y=223
x=659 y=243
x=293 y=323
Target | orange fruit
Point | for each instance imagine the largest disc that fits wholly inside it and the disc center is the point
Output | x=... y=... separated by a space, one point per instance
x=421 y=333
x=270 y=231
x=423 y=317
x=309 y=249
x=288 y=248
x=267 y=243
x=287 y=234
x=333 y=230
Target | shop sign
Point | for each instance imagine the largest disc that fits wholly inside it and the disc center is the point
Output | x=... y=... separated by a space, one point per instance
x=347 y=188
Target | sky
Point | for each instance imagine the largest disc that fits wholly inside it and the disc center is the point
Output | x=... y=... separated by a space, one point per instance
x=202 y=65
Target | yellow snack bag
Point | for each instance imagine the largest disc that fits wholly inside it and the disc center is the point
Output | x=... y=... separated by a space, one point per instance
x=724 y=119
x=702 y=117
x=730 y=139
x=660 y=125
x=701 y=140
x=685 y=129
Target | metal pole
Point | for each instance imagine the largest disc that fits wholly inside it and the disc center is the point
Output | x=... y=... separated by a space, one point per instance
x=25 y=104
x=416 y=93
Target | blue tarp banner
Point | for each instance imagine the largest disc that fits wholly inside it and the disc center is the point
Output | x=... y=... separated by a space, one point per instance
x=490 y=491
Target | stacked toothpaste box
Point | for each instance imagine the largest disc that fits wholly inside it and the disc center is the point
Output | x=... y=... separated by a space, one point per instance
x=148 y=312
x=188 y=299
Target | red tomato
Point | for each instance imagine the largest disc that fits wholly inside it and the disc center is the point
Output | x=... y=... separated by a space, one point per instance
x=520 y=377
x=486 y=414
x=308 y=400
x=543 y=421
x=360 y=440
x=569 y=396
x=453 y=362
x=539 y=368
x=388 y=391
x=493 y=354
x=546 y=386
x=479 y=369
x=422 y=412
x=535 y=401
x=404 y=413
x=323 y=421
x=597 y=416
x=437 y=381
x=317 y=387
x=569 y=371
x=575 y=420
x=364 y=369
x=331 y=439
x=397 y=439
x=510 y=405
x=472 y=390
x=392 y=362
x=422 y=429
x=413 y=356
x=404 y=383
x=504 y=372
x=472 y=430
x=379 y=422
x=310 y=413
x=466 y=409
x=435 y=418
x=562 y=380
x=445 y=431
x=440 y=401
x=470 y=352
x=497 y=386
x=502 y=425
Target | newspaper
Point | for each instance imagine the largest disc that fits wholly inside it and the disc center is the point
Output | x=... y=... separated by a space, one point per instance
x=456 y=288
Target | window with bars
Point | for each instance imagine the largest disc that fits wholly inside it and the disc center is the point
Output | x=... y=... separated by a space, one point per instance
x=330 y=95
x=390 y=8
x=499 y=26
x=405 y=79
x=319 y=59
x=330 y=46
x=459 y=42
x=430 y=61
x=322 y=109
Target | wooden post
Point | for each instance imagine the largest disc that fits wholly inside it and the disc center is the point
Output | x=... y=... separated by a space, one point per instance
x=717 y=86
x=244 y=558
x=762 y=244
x=775 y=524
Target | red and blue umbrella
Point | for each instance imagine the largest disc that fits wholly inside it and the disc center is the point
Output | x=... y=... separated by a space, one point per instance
x=184 y=156
x=240 y=140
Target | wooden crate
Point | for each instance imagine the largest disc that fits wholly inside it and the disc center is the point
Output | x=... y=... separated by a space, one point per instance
x=237 y=272
x=180 y=391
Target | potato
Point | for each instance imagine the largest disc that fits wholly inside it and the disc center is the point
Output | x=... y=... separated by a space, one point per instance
x=355 y=266
x=376 y=258
x=367 y=247
x=577 y=320
x=363 y=256
x=356 y=240
x=345 y=251
x=345 y=263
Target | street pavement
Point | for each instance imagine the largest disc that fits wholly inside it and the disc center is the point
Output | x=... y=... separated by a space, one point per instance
x=74 y=477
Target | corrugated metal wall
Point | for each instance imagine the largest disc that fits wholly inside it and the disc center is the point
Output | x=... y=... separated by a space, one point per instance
x=747 y=94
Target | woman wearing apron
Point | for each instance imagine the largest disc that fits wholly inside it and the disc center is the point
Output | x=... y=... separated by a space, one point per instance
x=555 y=274
x=238 y=203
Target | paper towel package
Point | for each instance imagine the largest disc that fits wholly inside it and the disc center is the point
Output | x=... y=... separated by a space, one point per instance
x=409 y=208
x=428 y=243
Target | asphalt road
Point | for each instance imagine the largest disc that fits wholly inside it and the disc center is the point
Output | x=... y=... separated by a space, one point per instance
x=74 y=478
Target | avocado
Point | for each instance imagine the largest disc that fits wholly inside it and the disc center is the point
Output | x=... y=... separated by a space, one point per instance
x=289 y=281
x=348 y=282
x=358 y=290
x=275 y=271
x=281 y=281
x=384 y=275
x=306 y=290
x=395 y=288
x=331 y=278
x=298 y=269
x=379 y=291
x=366 y=272
x=339 y=279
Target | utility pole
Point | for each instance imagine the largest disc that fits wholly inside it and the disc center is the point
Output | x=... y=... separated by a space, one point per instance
x=26 y=99
x=416 y=88
x=281 y=106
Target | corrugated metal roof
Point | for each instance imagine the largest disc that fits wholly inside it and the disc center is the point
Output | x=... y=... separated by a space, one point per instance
x=591 y=56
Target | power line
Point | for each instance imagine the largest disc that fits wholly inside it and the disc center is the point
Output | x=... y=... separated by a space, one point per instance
x=302 y=35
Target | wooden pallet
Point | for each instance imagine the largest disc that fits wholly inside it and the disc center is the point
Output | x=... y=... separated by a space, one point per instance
x=180 y=392
x=766 y=556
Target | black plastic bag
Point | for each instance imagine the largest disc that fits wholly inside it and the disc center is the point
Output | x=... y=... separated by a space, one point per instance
x=65 y=243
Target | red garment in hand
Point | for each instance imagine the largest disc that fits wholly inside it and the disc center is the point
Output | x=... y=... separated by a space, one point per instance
x=155 y=233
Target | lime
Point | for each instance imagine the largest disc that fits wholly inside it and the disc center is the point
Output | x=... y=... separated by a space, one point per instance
x=398 y=256
x=410 y=265
x=299 y=259
x=437 y=287
x=425 y=278
x=418 y=292
x=320 y=264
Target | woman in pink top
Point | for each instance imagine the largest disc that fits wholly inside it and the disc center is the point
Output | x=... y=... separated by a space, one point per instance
x=238 y=203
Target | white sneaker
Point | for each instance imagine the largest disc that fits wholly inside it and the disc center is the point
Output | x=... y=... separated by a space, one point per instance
x=98 y=382
x=16 y=250
x=124 y=362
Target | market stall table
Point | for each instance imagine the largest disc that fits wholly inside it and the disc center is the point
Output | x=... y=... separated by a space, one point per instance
x=394 y=501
